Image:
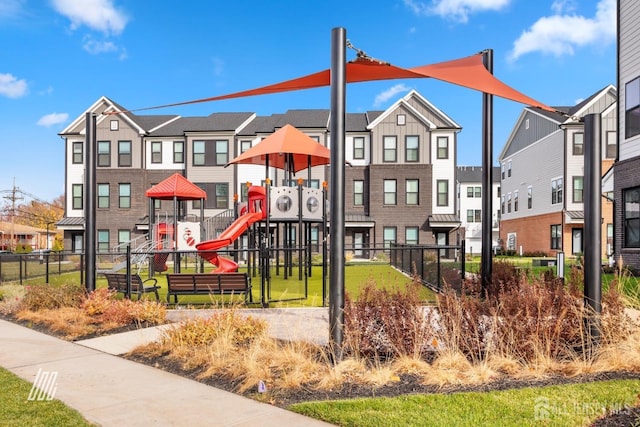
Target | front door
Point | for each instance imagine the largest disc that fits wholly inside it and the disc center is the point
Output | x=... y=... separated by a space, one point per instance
x=77 y=243
x=442 y=240
x=358 y=243
x=576 y=241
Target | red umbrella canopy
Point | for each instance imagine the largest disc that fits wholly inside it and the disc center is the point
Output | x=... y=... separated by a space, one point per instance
x=176 y=186
x=288 y=149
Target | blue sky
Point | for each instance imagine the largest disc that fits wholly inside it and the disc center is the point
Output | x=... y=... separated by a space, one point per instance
x=59 y=56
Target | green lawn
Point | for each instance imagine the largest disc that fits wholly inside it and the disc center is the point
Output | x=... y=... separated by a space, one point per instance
x=292 y=289
x=16 y=410
x=568 y=405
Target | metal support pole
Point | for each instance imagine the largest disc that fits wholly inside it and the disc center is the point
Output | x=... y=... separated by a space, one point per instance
x=337 y=202
x=487 y=178
x=128 y=272
x=592 y=222
x=90 y=202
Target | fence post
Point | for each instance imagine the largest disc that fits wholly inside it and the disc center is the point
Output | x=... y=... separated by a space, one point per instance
x=46 y=268
x=438 y=272
x=463 y=262
x=129 y=272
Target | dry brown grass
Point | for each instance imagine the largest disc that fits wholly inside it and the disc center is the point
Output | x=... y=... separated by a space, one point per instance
x=70 y=322
x=69 y=312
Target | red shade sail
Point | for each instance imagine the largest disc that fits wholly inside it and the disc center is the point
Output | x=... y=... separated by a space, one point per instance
x=468 y=72
x=176 y=186
x=288 y=148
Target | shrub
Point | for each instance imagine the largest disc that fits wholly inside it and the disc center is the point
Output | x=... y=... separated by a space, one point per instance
x=384 y=323
x=97 y=301
x=225 y=324
x=38 y=297
x=525 y=317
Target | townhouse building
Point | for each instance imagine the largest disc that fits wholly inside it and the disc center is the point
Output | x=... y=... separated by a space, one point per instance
x=542 y=177
x=469 y=189
x=626 y=182
x=400 y=178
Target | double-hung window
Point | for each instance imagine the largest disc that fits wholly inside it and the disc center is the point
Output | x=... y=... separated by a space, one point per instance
x=631 y=199
x=578 y=144
x=124 y=153
x=358 y=147
x=156 y=152
x=78 y=154
x=103 y=196
x=390 y=149
x=389 y=191
x=556 y=236
x=178 y=151
x=578 y=189
x=632 y=108
x=443 y=192
x=358 y=193
x=443 y=147
x=124 y=197
x=412 y=191
x=77 y=196
x=104 y=153
x=412 y=148
x=556 y=191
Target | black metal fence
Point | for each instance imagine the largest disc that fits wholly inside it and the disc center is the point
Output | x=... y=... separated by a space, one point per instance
x=20 y=267
x=435 y=266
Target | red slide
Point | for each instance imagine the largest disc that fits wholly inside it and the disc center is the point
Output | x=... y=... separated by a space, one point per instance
x=227 y=237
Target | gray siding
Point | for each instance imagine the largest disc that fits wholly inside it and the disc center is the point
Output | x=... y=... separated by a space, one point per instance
x=629 y=63
x=538 y=128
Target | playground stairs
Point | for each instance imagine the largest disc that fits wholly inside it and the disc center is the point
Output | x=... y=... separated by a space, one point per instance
x=215 y=225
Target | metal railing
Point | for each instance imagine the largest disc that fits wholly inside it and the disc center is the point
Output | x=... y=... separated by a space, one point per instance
x=436 y=266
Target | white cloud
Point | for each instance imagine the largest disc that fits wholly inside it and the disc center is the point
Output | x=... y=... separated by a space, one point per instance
x=99 y=15
x=10 y=8
x=390 y=93
x=53 y=119
x=457 y=10
x=11 y=86
x=561 y=34
x=563 y=6
x=95 y=47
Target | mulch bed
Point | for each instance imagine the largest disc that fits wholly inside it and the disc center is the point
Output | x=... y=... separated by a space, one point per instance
x=408 y=384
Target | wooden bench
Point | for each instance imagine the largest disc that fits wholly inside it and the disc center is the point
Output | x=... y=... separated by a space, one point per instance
x=208 y=283
x=118 y=282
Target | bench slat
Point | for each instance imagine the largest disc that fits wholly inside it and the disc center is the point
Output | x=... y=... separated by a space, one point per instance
x=118 y=282
x=208 y=283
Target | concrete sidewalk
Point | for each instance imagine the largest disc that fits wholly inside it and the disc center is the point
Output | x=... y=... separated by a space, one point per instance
x=111 y=391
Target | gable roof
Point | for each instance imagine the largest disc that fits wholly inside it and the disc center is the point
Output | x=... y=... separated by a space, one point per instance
x=216 y=122
x=142 y=124
x=561 y=116
x=404 y=103
x=473 y=174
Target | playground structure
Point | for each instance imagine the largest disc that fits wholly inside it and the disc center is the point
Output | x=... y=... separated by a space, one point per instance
x=269 y=211
x=256 y=212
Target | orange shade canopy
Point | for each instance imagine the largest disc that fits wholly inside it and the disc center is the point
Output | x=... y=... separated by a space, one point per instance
x=176 y=186
x=288 y=148
x=468 y=72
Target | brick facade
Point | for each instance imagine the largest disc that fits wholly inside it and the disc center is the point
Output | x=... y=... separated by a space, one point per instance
x=627 y=175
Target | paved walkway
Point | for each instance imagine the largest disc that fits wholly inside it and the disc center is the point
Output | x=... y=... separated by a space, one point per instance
x=112 y=391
